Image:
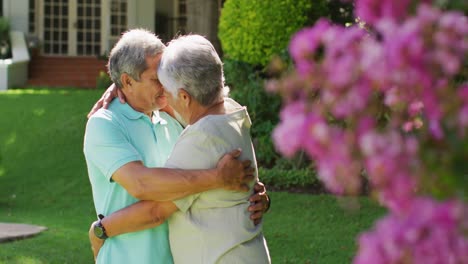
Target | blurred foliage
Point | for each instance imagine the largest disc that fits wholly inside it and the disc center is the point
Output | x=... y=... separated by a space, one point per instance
x=461 y=5
x=253 y=31
x=445 y=161
x=5 y=47
x=4 y=28
x=103 y=80
x=340 y=12
x=247 y=88
x=255 y=35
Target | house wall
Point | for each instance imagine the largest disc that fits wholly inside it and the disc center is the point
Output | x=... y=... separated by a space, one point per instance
x=166 y=19
x=141 y=14
x=17 y=13
x=203 y=18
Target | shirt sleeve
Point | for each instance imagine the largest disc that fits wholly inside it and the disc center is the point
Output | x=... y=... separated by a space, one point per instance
x=106 y=146
x=194 y=150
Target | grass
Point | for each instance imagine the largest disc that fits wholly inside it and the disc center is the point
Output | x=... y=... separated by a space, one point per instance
x=43 y=181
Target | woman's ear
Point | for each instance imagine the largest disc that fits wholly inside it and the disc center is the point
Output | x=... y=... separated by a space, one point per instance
x=184 y=96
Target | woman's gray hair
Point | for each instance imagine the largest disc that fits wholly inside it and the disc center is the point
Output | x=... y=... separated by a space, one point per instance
x=191 y=62
x=130 y=52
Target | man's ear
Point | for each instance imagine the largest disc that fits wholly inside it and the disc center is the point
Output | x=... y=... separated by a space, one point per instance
x=126 y=80
x=184 y=96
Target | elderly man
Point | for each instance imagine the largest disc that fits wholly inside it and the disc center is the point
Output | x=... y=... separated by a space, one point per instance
x=125 y=144
x=212 y=226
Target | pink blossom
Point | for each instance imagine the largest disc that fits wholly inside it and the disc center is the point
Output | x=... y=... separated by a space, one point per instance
x=426 y=233
x=463 y=114
x=306 y=42
x=378 y=88
x=371 y=11
x=415 y=108
x=289 y=134
x=336 y=167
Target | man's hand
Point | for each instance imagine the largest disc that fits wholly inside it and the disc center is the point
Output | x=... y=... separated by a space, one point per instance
x=234 y=174
x=96 y=243
x=106 y=98
x=259 y=203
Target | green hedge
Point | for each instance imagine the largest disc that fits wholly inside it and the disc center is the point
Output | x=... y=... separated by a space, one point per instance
x=284 y=179
x=247 y=89
x=103 y=80
x=254 y=30
x=251 y=33
x=5 y=48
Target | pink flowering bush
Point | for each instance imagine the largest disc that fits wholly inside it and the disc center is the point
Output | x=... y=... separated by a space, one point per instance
x=387 y=103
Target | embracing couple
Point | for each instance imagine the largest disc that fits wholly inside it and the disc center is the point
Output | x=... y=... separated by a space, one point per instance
x=171 y=161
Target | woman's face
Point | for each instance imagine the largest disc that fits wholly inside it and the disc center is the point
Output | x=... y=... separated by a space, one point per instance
x=180 y=105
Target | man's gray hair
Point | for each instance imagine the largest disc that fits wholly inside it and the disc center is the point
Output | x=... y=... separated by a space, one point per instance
x=191 y=62
x=130 y=52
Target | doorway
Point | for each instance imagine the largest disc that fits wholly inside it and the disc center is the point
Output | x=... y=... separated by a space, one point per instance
x=71 y=27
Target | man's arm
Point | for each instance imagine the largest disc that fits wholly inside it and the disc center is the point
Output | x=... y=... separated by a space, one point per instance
x=148 y=214
x=138 y=216
x=162 y=184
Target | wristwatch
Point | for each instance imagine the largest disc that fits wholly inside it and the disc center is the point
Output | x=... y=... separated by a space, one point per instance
x=98 y=228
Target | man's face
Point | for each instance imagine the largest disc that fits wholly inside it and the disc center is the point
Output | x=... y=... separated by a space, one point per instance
x=148 y=92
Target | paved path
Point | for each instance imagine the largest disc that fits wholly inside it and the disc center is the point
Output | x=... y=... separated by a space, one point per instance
x=10 y=231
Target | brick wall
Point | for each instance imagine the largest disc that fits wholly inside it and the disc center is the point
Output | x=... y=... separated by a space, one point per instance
x=80 y=72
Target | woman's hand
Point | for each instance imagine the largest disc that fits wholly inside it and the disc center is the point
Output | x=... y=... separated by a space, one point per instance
x=260 y=203
x=106 y=98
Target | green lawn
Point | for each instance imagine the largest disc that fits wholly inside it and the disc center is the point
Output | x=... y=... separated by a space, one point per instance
x=43 y=181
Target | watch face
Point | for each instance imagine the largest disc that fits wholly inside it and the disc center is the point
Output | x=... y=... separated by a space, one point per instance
x=98 y=231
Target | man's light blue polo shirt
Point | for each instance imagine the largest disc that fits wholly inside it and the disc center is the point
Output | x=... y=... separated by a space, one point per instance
x=113 y=138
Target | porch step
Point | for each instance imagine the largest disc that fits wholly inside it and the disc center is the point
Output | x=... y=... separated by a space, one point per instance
x=79 y=72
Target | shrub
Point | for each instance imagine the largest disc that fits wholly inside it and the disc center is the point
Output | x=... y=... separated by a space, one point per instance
x=103 y=80
x=416 y=161
x=5 y=50
x=253 y=31
x=4 y=28
x=247 y=88
x=283 y=179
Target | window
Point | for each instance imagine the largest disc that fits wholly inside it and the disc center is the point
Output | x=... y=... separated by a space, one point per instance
x=32 y=17
x=182 y=21
x=88 y=27
x=56 y=27
x=118 y=21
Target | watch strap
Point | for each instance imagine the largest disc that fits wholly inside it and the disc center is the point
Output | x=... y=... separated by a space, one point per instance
x=102 y=231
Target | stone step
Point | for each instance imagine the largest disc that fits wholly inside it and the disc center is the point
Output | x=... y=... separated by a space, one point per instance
x=11 y=231
x=80 y=72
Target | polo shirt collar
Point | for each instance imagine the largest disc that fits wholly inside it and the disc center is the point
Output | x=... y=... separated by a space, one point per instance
x=130 y=113
x=158 y=119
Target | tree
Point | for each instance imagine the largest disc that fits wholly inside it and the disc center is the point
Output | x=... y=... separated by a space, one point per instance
x=386 y=101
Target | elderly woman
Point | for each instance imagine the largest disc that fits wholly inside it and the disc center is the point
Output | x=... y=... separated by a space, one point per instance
x=213 y=226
